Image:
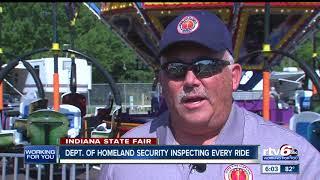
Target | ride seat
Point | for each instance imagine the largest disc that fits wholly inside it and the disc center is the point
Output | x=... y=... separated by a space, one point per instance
x=73 y=114
x=77 y=100
x=300 y=122
x=314 y=134
x=303 y=100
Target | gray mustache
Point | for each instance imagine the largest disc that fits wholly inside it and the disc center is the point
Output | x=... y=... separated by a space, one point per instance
x=197 y=91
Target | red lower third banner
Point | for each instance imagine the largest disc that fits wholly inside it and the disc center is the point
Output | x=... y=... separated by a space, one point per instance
x=109 y=141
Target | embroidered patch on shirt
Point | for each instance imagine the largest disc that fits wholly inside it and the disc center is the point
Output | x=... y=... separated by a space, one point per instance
x=238 y=171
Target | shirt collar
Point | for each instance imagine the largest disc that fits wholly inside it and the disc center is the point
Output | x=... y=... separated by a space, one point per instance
x=232 y=132
x=163 y=131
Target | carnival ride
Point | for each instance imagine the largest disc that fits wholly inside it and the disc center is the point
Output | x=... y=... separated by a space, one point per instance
x=263 y=34
x=43 y=125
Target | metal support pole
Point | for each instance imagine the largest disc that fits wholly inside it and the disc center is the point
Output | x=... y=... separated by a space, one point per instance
x=73 y=172
x=4 y=164
x=63 y=173
x=87 y=171
x=314 y=58
x=15 y=168
x=39 y=172
x=55 y=49
x=266 y=73
x=51 y=172
x=1 y=52
x=27 y=172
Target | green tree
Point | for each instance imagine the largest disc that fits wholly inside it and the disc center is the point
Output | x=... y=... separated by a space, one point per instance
x=305 y=50
x=28 y=26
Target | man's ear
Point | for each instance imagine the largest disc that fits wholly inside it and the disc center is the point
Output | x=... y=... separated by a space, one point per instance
x=236 y=71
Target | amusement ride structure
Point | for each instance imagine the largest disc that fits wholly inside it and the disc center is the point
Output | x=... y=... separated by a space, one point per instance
x=263 y=35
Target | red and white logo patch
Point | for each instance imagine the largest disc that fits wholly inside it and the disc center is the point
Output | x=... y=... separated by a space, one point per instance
x=188 y=24
x=238 y=172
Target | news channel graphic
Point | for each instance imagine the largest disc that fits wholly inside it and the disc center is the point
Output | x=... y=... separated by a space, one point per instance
x=109 y=141
x=136 y=150
x=285 y=152
x=279 y=168
x=158 y=154
x=41 y=154
x=48 y=154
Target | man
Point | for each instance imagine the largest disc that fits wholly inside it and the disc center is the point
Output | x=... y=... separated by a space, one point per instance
x=198 y=76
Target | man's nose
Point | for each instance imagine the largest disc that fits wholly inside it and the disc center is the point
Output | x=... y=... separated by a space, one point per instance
x=191 y=80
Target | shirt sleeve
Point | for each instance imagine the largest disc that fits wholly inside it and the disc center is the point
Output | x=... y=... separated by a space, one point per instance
x=309 y=163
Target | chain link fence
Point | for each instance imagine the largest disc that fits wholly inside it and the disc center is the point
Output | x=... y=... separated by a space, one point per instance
x=135 y=96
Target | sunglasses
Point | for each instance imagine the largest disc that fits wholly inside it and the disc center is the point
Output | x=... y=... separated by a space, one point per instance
x=201 y=67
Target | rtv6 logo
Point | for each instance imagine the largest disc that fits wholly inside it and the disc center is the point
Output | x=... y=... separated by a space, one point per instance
x=284 y=150
x=287 y=150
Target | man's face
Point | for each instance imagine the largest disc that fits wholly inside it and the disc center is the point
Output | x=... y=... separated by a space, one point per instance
x=203 y=102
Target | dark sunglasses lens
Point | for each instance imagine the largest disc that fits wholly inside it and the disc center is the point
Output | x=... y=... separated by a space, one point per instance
x=176 y=70
x=207 y=68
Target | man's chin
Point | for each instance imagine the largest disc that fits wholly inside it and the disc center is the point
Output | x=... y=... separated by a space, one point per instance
x=195 y=117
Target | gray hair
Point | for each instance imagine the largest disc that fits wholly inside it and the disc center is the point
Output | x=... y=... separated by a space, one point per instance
x=228 y=57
